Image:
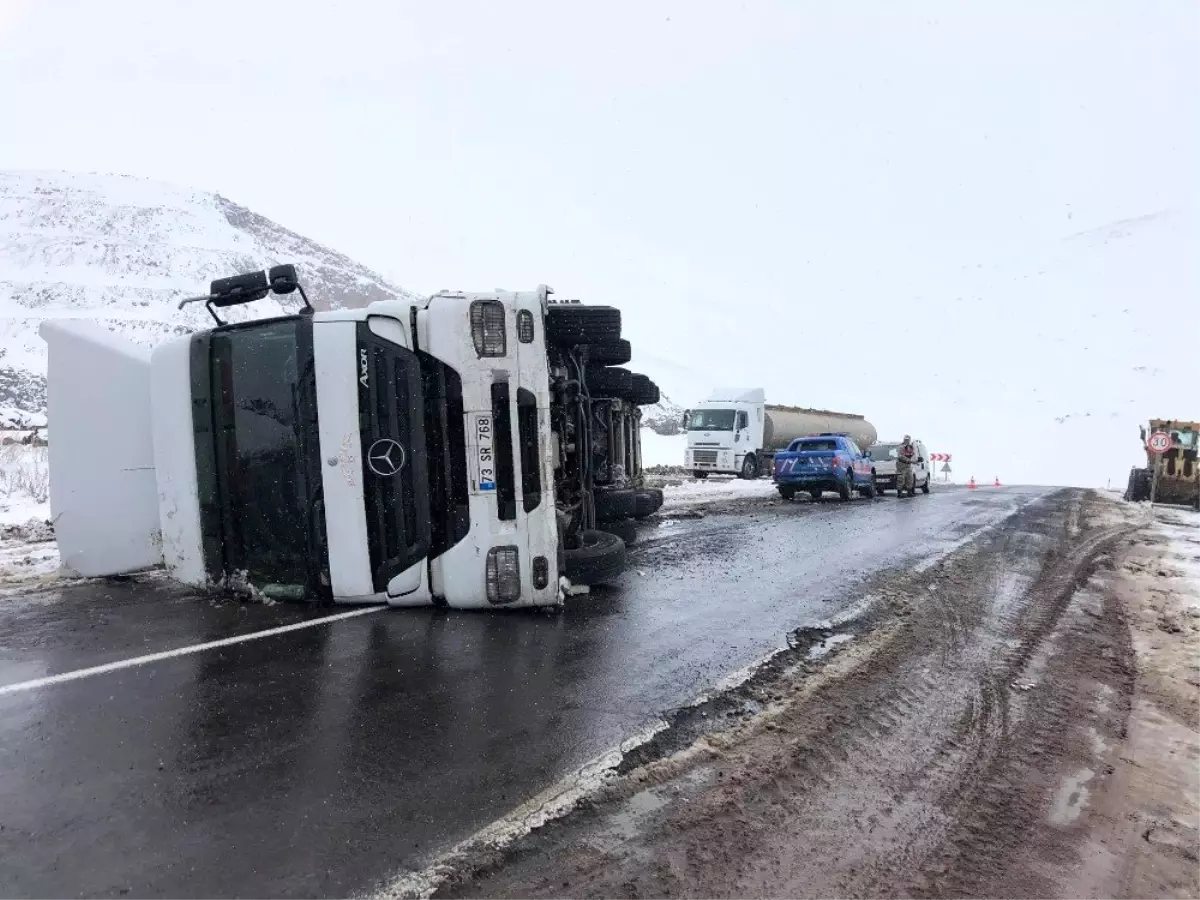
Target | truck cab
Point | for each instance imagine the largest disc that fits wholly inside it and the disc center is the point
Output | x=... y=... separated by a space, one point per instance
x=725 y=434
x=407 y=453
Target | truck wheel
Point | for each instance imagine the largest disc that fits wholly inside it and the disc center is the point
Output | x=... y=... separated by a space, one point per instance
x=612 y=505
x=869 y=491
x=749 y=467
x=645 y=504
x=657 y=494
x=608 y=381
x=645 y=391
x=699 y=474
x=846 y=488
x=622 y=528
x=787 y=493
x=571 y=324
x=1138 y=488
x=597 y=558
x=616 y=353
x=925 y=486
x=814 y=495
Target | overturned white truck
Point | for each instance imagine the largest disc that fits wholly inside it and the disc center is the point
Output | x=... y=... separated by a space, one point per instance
x=448 y=451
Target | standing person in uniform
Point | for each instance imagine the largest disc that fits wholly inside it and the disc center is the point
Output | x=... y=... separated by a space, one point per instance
x=906 y=458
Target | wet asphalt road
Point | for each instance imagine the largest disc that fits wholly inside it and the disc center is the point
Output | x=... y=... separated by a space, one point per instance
x=325 y=760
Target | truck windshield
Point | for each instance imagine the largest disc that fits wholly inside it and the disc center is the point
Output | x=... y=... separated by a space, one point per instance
x=884 y=452
x=712 y=420
x=258 y=453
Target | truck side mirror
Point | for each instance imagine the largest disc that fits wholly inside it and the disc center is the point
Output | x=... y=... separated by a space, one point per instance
x=687 y=418
x=867 y=454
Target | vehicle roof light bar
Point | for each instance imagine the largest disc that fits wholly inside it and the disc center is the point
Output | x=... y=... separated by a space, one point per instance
x=249 y=287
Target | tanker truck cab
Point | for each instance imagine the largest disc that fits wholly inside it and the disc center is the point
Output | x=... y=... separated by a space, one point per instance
x=735 y=431
x=725 y=434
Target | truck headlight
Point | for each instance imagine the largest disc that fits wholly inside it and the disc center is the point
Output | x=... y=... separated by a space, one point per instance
x=487 y=327
x=541 y=572
x=503 y=575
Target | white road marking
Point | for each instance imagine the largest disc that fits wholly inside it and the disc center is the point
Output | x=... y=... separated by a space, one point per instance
x=180 y=651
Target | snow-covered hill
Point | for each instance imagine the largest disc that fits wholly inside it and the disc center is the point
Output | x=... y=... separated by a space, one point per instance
x=664 y=417
x=124 y=251
x=1035 y=363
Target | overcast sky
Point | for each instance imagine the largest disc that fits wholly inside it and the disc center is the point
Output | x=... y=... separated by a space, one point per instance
x=776 y=194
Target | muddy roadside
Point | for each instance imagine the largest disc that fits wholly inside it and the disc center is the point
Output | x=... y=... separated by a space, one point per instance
x=969 y=741
x=1144 y=836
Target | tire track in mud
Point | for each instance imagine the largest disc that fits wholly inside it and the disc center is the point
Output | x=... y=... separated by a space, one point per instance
x=888 y=774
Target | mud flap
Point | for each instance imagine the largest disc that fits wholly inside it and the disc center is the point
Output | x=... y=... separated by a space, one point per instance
x=103 y=495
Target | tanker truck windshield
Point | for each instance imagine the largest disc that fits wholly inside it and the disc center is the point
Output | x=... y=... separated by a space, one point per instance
x=712 y=420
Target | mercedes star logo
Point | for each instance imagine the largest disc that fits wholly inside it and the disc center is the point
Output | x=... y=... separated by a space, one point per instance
x=386 y=457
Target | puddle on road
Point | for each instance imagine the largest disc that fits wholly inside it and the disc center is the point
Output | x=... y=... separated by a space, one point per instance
x=637 y=814
x=827 y=645
x=1071 y=798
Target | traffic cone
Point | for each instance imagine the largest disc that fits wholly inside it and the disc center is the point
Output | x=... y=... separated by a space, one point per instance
x=971 y=484
x=997 y=482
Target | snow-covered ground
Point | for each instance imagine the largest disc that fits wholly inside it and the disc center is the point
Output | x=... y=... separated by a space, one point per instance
x=662 y=449
x=28 y=553
x=1182 y=556
x=715 y=489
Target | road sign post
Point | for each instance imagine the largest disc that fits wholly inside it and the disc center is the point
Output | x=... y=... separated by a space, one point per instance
x=946 y=471
x=1158 y=444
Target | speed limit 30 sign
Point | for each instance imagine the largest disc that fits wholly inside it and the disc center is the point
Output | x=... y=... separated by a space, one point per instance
x=1159 y=442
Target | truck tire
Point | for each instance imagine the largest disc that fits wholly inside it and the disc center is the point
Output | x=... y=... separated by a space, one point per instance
x=657 y=494
x=699 y=474
x=646 y=504
x=1138 y=488
x=622 y=528
x=925 y=486
x=869 y=490
x=749 y=468
x=615 y=504
x=616 y=353
x=597 y=558
x=569 y=325
x=787 y=493
x=645 y=391
x=609 y=381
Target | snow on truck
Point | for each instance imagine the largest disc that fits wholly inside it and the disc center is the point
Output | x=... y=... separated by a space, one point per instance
x=735 y=431
x=451 y=450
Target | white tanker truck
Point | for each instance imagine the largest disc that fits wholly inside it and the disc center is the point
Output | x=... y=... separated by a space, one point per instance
x=736 y=432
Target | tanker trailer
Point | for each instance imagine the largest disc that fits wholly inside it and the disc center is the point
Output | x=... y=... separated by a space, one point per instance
x=735 y=431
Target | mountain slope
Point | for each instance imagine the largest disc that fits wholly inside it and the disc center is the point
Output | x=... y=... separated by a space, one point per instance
x=124 y=251
x=1035 y=362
